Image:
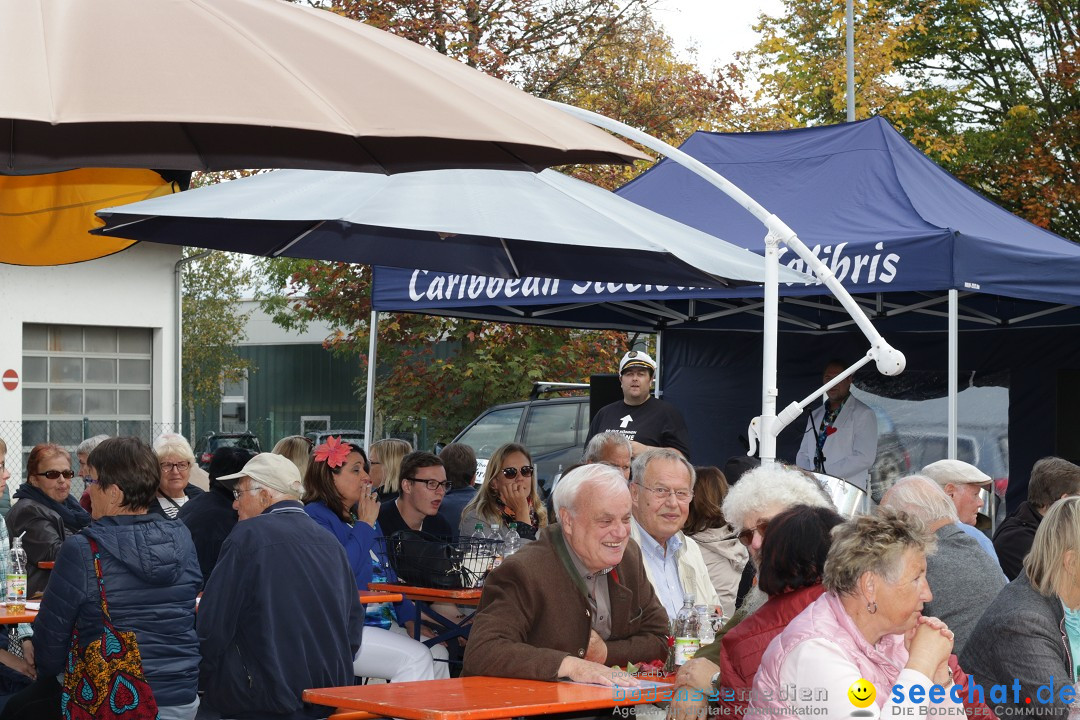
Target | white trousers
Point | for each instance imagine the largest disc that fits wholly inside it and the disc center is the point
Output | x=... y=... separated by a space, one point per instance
x=393 y=655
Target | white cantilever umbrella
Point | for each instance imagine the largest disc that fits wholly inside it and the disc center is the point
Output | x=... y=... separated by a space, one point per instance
x=484 y=222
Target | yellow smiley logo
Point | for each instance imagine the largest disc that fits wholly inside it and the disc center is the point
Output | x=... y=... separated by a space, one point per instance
x=861 y=693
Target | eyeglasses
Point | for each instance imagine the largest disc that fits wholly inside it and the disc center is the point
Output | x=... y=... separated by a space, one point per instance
x=746 y=537
x=512 y=472
x=237 y=493
x=54 y=474
x=181 y=466
x=663 y=493
x=432 y=484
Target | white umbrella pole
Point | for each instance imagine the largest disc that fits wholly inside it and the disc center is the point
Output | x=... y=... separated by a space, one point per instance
x=369 y=401
x=954 y=367
x=657 y=390
x=890 y=361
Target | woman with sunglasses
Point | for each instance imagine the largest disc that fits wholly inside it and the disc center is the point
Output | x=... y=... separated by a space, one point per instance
x=45 y=511
x=508 y=495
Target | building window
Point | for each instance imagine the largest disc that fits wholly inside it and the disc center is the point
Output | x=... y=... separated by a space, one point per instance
x=84 y=381
x=234 y=406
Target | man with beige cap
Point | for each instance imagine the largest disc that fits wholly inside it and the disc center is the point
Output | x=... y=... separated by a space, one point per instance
x=280 y=612
x=963 y=483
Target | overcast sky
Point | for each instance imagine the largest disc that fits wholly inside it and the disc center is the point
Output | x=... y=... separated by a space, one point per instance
x=719 y=27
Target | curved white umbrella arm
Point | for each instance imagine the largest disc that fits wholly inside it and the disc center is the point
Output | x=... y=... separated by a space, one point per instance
x=768 y=425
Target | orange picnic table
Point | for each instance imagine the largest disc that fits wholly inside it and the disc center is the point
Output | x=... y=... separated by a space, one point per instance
x=466 y=596
x=23 y=617
x=380 y=597
x=481 y=698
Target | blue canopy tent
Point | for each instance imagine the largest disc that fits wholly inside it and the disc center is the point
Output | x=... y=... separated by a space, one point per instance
x=933 y=263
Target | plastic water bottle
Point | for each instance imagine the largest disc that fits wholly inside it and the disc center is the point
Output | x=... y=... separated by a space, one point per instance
x=16 y=578
x=498 y=544
x=512 y=542
x=478 y=532
x=686 y=632
x=706 y=635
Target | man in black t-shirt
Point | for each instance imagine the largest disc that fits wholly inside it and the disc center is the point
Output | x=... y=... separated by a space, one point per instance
x=647 y=421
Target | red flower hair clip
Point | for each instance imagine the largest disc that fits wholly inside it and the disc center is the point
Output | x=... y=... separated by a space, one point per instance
x=333 y=452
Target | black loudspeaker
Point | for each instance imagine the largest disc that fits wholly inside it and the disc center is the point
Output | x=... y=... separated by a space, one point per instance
x=603 y=390
x=1068 y=419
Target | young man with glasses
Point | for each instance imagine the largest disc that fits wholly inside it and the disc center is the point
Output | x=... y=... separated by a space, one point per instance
x=423 y=486
x=661 y=492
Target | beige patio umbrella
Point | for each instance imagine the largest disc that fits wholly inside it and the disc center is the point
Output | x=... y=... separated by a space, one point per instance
x=225 y=84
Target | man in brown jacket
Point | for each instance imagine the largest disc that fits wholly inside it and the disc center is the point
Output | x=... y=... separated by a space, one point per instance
x=576 y=601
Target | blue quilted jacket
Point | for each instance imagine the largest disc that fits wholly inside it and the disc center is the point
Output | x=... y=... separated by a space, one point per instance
x=151 y=577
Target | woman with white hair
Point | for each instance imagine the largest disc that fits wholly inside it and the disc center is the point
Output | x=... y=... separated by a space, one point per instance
x=176 y=460
x=1030 y=634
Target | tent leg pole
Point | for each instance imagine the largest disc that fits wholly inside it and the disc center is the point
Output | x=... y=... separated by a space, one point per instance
x=369 y=400
x=954 y=367
x=657 y=391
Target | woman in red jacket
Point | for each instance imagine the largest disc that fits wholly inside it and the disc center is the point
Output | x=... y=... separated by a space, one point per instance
x=792 y=561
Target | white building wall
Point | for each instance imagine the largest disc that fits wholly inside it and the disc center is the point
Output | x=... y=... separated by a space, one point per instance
x=133 y=288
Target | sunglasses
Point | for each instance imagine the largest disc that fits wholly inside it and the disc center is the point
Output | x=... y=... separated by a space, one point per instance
x=746 y=537
x=54 y=474
x=512 y=472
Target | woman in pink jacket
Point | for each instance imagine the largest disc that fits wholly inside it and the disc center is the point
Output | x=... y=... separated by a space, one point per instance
x=863 y=645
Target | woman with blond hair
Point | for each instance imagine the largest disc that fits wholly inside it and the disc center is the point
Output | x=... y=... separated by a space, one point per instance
x=1030 y=634
x=509 y=494
x=384 y=457
x=176 y=459
x=297 y=448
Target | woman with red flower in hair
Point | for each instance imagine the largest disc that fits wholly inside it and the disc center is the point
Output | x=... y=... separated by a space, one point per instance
x=338 y=496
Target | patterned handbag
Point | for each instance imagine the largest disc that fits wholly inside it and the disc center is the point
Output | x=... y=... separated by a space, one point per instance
x=106 y=680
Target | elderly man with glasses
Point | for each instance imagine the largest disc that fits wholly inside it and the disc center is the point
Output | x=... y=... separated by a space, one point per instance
x=661 y=492
x=280 y=612
x=575 y=602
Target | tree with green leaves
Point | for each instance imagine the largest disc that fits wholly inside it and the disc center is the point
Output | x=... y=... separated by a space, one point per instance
x=988 y=88
x=212 y=327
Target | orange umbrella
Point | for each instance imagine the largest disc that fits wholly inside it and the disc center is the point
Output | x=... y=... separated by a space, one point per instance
x=228 y=84
x=44 y=219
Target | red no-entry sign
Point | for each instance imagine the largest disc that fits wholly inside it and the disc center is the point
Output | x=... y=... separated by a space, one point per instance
x=11 y=379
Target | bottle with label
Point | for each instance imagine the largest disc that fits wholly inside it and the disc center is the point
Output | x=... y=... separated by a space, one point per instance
x=686 y=632
x=499 y=543
x=16 y=578
x=706 y=635
x=512 y=542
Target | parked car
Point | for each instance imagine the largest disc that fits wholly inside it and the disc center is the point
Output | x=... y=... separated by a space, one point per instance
x=211 y=442
x=356 y=437
x=553 y=429
x=987 y=448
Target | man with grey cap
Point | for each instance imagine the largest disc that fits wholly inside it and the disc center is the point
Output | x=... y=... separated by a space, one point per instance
x=963 y=483
x=280 y=612
x=646 y=421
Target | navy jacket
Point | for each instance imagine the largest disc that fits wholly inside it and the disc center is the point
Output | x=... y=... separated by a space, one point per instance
x=279 y=614
x=151 y=579
x=210 y=517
